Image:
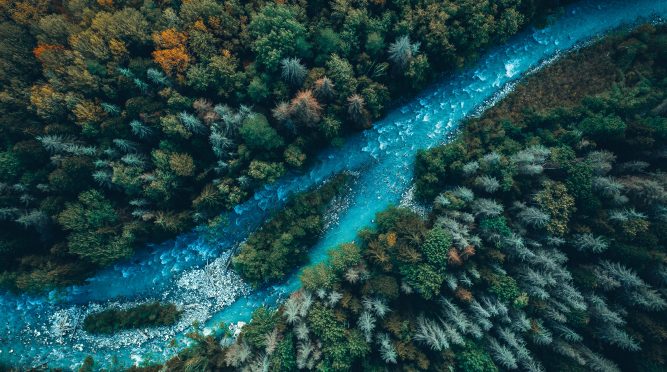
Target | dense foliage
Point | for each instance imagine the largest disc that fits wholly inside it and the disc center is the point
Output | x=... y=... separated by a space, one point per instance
x=545 y=248
x=126 y=121
x=282 y=243
x=145 y=315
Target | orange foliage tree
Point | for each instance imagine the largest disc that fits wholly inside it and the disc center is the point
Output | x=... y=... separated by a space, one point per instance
x=42 y=48
x=105 y=3
x=169 y=39
x=305 y=109
x=174 y=60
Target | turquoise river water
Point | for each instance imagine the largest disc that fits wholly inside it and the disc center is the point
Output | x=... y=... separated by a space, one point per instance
x=191 y=270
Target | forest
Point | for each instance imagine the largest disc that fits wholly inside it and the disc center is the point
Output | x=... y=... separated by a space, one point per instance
x=125 y=122
x=544 y=247
x=281 y=244
x=145 y=315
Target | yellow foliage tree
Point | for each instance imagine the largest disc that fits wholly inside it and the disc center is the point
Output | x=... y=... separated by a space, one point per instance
x=47 y=102
x=118 y=48
x=90 y=43
x=182 y=164
x=87 y=112
x=26 y=12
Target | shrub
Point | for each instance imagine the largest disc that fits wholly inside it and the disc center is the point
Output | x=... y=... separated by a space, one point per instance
x=10 y=167
x=506 y=288
x=604 y=128
x=475 y=359
x=433 y=168
x=423 y=278
x=436 y=245
x=182 y=164
x=555 y=199
x=259 y=135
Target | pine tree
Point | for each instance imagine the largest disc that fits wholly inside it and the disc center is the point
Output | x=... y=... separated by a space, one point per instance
x=618 y=337
x=533 y=217
x=402 y=51
x=647 y=298
x=541 y=335
x=598 y=363
x=8 y=213
x=304 y=350
x=191 y=122
x=464 y=194
x=387 y=350
x=141 y=85
x=613 y=274
x=301 y=331
x=600 y=161
x=124 y=145
x=291 y=310
x=134 y=160
x=34 y=218
x=366 y=324
x=139 y=129
x=567 y=334
x=125 y=72
x=103 y=178
x=430 y=333
x=237 y=354
x=306 y=300
x=305 y=109
x=282 y=112
x=589 y=243
x=293 y=71
x=490 y=160
x=157 y=77
x=470 y=168
x=324 y=88
x=599 y=310
x=356 y=108
x=487 y=207
x=502 y=355
x=334 y=297
x=110 y=109
x=380 y=307
x=55 y=143
x=352 y=275
x=271 y=341
x=609 y=188
x=75 y=149
x=530 y=161
x=487 y=183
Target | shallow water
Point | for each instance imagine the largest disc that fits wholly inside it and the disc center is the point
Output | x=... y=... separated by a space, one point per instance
x=191 y=270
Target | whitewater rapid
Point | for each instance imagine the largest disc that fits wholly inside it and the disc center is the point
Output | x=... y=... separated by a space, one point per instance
x=191 y=270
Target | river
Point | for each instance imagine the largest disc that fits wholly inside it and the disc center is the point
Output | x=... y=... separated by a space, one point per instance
x=190 y=270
